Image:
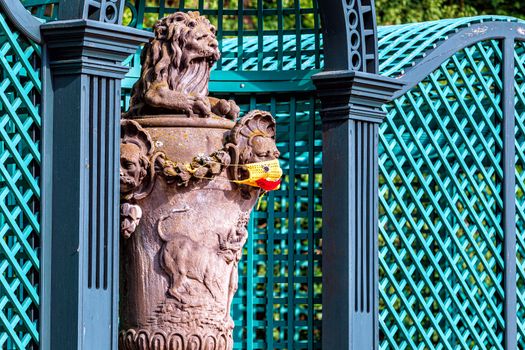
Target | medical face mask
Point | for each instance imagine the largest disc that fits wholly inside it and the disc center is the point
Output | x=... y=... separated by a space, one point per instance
x=266 y=175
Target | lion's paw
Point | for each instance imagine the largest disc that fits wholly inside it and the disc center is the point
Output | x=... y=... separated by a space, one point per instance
x=201 y=106
x=234 y=110
x=226 y=108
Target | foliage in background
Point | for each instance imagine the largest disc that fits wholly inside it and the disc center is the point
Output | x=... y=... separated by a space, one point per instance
x=230 y=22
x=388 y=11
x=407 y=11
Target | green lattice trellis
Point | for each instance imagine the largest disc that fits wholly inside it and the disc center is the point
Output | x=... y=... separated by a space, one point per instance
x=520 y=186
x=20 y=89
x=45 y=9
x=441 y=179
x=402 y=46
x=279 y=300
x=268 y=34
x=440 y=195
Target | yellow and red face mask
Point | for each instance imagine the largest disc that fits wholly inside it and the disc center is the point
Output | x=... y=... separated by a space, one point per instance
x=265 y=175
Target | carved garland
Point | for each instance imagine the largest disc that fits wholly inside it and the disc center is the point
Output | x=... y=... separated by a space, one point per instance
x=181 y=272
x=140 y=165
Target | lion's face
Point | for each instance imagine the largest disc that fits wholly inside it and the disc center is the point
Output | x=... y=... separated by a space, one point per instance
x=197 y=37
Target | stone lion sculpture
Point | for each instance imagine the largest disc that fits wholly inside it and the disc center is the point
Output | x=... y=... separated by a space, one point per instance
x=176 y=68
x=188 y=186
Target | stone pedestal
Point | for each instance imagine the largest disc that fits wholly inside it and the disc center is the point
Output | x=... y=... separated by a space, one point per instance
x=179 y=266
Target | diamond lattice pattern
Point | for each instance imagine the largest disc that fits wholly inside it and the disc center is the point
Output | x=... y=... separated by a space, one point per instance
x=440 y=225
x=520 y=186
x=20 y=89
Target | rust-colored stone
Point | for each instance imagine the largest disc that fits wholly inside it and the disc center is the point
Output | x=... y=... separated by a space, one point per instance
x=184 y=210
x=176 y=68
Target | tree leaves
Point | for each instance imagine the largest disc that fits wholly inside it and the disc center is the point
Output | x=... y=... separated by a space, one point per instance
x=407 y=11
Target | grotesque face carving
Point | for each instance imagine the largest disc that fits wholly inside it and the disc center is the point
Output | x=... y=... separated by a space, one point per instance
x=133 y=167
x=252 y=140
x=263 y=149
x=135 y=149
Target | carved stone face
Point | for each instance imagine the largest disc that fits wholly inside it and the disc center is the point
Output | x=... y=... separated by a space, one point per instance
x=263 y=149
x=132 y=167
x=200 y=42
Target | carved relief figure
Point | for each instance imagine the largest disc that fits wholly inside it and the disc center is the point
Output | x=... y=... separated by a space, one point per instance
x=183 y=258
x=176 y=70
x=252 y=141
x=233 y=248
x=135 y=149
x=130 y=216
x=187 y=203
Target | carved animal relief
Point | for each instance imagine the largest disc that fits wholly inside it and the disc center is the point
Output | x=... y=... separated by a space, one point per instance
x=188 y=184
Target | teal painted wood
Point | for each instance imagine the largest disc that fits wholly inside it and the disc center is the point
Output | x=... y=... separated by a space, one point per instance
x=441 y=186
x=20 y=159
x=279 y=300
x=441 y=208
x=351 y=112
x=84 y=203
x=520 y=186
x=402 y=46
x=350 y=35
x=27 y=24
x=44 y=9
x=509 y=194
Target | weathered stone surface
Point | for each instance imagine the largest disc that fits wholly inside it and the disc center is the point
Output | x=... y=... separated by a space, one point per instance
x=188 y=183
x=176 y=68
x=179 y=266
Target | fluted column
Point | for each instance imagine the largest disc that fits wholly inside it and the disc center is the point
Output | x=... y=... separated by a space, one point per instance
x=351 y=114
x=84 y=59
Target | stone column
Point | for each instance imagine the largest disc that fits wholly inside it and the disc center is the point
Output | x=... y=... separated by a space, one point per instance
x=184 y=226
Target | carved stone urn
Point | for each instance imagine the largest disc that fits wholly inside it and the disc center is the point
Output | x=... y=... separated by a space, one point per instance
x=190 y=177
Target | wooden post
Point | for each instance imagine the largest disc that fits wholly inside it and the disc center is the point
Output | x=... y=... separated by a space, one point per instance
x=83 y=63
x=351 y=112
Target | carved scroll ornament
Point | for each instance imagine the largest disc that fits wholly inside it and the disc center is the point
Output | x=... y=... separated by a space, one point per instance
x=189 y=180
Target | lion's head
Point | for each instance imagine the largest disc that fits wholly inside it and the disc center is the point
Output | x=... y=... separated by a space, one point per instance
x=180 y=55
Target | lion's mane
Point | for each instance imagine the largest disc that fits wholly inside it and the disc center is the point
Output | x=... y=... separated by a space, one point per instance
x=167 y=60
